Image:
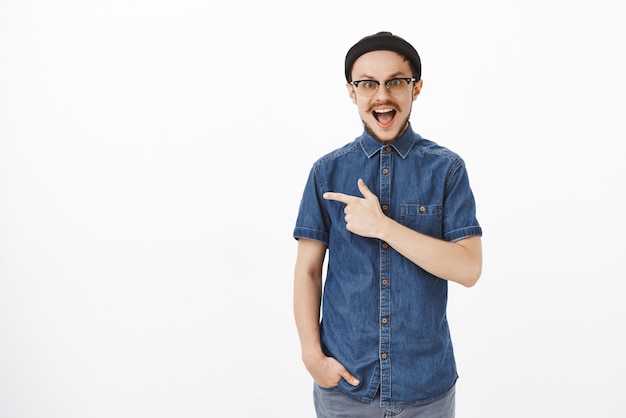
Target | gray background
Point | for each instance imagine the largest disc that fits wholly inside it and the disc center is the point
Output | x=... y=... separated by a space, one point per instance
x=152 y=157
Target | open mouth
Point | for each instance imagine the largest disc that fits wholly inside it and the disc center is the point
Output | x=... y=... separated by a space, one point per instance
x=384 y=117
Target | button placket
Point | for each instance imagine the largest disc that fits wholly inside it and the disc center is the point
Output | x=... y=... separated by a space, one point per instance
x=386 y=160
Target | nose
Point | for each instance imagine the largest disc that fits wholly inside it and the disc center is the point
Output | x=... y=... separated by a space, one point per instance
x=382 y=87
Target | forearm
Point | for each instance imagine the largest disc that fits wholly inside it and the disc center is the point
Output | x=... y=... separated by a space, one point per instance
x=307 y=301
x=326 y=371
x=459 y=262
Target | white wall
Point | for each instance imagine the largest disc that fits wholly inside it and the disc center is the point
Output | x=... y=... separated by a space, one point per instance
x=152 y=157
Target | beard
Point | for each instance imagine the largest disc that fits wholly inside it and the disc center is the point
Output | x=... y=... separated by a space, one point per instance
x=401 y=130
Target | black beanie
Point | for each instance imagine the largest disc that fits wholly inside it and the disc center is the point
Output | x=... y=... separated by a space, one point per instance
x=383 y=41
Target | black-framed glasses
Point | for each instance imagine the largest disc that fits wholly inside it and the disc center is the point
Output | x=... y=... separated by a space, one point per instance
x=395 y=86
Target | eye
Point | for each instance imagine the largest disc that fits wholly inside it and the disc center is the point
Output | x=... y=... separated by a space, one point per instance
x=395 y=82
x=369 y=84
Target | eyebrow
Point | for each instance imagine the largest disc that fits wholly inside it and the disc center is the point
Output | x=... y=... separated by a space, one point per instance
x=397 y=74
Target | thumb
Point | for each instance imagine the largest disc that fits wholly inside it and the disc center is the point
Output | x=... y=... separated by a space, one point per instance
x=365 y=191
x=348 y=377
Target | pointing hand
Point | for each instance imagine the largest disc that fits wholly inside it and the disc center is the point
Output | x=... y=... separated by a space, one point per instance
x=363 y=214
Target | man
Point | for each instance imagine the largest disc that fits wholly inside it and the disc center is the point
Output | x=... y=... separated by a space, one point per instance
x=396 y=213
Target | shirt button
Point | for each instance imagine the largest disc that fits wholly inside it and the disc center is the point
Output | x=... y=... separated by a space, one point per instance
x=385 y=171
x=384 y=320
x=385 y=207
x=388 y=149
x=422 y=209
x=385 y=282
x=385 y=245
x=383 y=356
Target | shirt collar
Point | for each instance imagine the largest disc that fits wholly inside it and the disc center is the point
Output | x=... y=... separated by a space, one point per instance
x=402 y=144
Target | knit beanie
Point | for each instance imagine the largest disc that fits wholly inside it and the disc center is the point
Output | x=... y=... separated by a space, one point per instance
x=384 y=41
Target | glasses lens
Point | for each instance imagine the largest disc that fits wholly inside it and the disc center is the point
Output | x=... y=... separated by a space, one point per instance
x=368 y=88
x=397 y=85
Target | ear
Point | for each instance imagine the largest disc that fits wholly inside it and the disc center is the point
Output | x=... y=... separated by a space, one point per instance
x=352 y=92
x=417 y=88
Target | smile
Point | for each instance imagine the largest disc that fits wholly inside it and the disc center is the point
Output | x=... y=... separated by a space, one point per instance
x=384 y=117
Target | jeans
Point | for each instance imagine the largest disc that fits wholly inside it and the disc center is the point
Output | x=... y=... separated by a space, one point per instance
x=333 y=403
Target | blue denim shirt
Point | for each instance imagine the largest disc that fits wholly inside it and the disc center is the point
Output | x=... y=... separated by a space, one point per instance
x=383 y=317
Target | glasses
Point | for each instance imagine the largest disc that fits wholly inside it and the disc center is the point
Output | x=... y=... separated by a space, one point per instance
x=395 y=86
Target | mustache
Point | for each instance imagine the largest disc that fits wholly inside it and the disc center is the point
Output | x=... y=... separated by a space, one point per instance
x=385 y=103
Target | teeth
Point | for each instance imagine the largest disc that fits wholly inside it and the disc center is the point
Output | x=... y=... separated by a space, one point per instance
x=383 y=110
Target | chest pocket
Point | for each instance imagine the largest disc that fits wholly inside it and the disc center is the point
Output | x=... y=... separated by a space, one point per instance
x=426 y=219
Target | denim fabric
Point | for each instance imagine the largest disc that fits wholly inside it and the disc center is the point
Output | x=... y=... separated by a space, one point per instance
x=333 y=403
x=383 y=317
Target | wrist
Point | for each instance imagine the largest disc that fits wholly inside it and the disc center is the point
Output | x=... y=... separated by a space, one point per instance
x=385 y=226
x=312 y=355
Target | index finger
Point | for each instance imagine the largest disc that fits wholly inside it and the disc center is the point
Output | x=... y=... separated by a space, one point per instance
x=340 y=197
